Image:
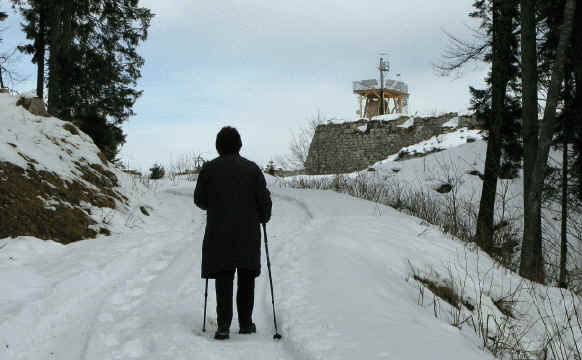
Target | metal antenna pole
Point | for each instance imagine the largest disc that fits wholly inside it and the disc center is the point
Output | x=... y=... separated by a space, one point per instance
x=383 y=66
x=381 y=86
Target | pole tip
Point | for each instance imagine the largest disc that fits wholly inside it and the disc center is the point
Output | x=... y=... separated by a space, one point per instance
x=277 y=336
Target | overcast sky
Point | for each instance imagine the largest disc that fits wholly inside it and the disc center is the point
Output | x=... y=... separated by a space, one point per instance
x=265 y=67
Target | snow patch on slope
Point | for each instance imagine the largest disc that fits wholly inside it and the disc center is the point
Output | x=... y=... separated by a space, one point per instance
x=408 y=123
x=57 y=160
x=42 y=139
x=436 y=143
x=389 y=117
x=453 y=123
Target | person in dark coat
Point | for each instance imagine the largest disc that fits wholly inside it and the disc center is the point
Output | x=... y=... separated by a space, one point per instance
x=234 y=194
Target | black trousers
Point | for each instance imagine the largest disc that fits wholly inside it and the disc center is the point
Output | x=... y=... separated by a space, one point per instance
x=245 y=297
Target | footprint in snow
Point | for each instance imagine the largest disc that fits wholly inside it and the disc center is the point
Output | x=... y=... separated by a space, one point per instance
x=136 y=292
x=110 y=340
x=106 y=317
x=131 y=323
x=118 y=299
x=148 y=278
x=133 y=349
x=160 y=265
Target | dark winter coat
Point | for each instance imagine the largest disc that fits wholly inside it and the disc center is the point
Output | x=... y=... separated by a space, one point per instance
x=234 y=193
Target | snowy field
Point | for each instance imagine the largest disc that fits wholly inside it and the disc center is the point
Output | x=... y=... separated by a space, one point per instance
x=352 y=277
x=342 y=271
x=341 y=275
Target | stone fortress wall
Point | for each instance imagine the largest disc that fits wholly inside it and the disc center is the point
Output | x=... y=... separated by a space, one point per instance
x=353 y=146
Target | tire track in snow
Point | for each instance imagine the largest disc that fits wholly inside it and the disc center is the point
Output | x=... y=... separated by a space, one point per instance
x=289 y=277
x=116 y=317
x=170 y=305
x=300 y=203
x=65 y=308
x=119 y=319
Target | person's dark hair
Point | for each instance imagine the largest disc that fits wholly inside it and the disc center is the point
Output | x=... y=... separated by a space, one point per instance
x=228 y=141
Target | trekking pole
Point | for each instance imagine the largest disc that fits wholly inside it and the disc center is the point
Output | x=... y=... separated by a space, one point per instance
x=277 y=336
x=205 y=299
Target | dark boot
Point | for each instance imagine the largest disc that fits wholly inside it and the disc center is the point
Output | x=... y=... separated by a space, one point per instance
x=222 y=334
x=251 y=329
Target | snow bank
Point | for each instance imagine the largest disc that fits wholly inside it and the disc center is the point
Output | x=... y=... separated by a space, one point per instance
x=436 y=143
x=47 y=159
x=407 y=124
x=45 y=140
x=453 y=123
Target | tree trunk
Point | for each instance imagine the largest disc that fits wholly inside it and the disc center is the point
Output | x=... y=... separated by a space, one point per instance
x=40 y=50
x=487 y=204
x=54 y=23
x=532 y=218
x=60 y=42
x=502 y=33
x=531 y=265
x=563 y=283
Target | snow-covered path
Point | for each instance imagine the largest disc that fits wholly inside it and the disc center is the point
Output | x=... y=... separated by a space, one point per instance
x=340 y=269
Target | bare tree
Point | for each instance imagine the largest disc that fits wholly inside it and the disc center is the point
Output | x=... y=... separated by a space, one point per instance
x=300 y=142
x=500 y=77
x=8 y=75
x=8 y=60
x=3 y=17
x=460 y=52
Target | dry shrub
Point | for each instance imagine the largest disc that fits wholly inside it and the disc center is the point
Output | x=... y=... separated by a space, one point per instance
x=452 y=215
x=444 y=290
x=71 y=128
x=157 y=172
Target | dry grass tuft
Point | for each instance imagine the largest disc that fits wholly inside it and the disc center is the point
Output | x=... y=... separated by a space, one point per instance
x=71 y=128
x=444 y=291
x=144 y=211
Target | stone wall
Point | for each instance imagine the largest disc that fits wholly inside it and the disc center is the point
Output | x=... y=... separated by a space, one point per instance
x=352 y=146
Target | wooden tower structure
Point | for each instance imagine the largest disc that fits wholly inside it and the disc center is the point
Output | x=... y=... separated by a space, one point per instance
x=386 y=97
x=370 y=97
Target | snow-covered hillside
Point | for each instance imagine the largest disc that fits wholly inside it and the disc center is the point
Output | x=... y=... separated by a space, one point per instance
x=457 y=159
x=55 y=183
x=352 y=279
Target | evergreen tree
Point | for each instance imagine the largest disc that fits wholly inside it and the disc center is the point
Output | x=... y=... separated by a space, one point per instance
x=3 y=17
x=564 y=184
x=498 y=109
x=35 y=28
x=531 y=265
x=93 y=64
x=498 y=106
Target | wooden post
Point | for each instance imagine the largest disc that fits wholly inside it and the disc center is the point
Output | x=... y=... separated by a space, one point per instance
x=366 y=108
